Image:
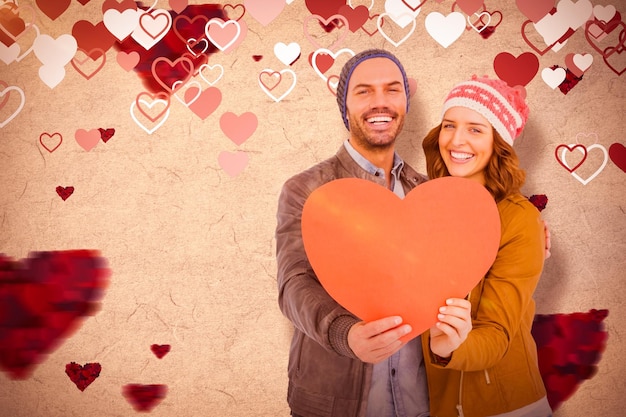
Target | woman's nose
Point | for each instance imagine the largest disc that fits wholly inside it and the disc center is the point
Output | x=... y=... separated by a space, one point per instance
x=458 y=138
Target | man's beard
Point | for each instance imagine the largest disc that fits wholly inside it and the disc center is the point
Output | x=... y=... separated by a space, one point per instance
x=372 y=140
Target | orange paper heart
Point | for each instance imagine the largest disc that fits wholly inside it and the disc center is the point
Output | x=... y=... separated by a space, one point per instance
x=378 y=255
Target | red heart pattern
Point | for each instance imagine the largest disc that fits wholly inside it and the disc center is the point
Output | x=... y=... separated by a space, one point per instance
x=43 y=299
x=83 y=375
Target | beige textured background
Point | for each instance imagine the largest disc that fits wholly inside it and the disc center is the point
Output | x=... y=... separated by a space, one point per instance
x=191 y=248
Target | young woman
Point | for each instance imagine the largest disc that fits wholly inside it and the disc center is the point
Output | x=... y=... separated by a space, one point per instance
x=494 y=371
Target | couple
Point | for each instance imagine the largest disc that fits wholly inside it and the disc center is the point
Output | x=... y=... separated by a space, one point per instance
x=479 y=359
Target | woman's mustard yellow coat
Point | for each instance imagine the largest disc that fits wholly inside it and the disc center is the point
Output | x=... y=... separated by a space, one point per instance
x=495 y=370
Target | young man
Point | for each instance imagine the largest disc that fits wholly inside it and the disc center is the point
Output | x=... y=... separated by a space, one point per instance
x=339 y=365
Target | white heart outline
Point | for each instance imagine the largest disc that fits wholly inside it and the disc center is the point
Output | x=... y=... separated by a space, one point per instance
x=480 y=15
x=397 y=9
x=384 y=35
x=19 y=57
x=328 y=52
x=158 y=125
x=19 y=108
x=211 y=68
x=187 y=85
x=268 y=92
x=206 y=42
x=369 y=8
x=29 y=50
x=595 y=174
x=217 y=20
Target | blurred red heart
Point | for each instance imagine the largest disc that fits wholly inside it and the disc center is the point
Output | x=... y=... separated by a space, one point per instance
x=379 y=255
x=43 y=299
x=144 y=397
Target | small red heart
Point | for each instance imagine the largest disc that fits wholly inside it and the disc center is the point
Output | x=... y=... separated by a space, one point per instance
x=83 y=376
x=160 y=350
x=539 y=200
x=65 y=192
x=257 y=58
x=106 y=134
x=144 y=397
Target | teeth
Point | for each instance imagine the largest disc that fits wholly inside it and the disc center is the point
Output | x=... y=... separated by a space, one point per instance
x=461 y=155
x=379 y=119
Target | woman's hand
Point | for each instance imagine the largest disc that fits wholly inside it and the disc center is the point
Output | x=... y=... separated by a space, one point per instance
x=455 y=323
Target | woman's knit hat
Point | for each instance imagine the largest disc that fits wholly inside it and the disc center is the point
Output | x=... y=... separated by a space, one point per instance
x=346 y=73
x=503 y=106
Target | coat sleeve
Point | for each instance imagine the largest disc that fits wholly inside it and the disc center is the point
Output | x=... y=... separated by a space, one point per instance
x=301 y=297
x=503 y=301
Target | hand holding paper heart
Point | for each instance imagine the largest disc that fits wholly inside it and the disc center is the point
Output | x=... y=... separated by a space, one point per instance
x=379 y=256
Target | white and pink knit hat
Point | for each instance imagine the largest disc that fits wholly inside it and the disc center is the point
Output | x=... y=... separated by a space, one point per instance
x=503 y=106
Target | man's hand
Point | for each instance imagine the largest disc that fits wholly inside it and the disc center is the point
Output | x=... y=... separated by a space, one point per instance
x=455 y=323
x=377 y=340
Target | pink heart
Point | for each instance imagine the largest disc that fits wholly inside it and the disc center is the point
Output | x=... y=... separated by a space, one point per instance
x=87 y=139
x=129 y=60
x=233 y=162
x=238 y=128
x=470 y=6
x=535 y=10
x=264 y=10
x=178 y=5
x=206 y=103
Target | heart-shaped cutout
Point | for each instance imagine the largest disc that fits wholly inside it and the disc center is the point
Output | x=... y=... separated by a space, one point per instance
x=378 y=255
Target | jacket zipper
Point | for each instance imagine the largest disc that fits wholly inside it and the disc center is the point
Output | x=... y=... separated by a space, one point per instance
x=459 y=406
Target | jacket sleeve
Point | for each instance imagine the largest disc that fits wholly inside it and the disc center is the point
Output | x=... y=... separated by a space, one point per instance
x=301 y=297
x=503 y=301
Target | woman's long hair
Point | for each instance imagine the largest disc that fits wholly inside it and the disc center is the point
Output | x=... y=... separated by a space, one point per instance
x=503 y=175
